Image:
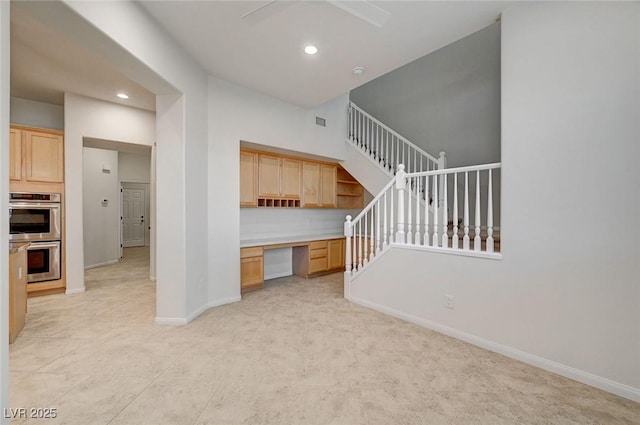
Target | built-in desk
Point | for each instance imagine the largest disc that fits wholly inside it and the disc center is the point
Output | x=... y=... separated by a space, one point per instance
x=312 y=255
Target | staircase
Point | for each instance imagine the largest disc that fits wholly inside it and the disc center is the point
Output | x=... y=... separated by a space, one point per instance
x=421 y=205
x=374 y=152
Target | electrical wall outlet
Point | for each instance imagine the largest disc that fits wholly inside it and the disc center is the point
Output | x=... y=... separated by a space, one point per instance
x=448 y=301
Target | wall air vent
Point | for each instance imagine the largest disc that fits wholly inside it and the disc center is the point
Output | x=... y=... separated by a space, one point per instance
x=321 y=122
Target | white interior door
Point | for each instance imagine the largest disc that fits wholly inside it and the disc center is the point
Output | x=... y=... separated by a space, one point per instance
x=133 y=221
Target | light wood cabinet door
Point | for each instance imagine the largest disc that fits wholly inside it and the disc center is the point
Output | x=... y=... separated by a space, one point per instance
x=248 y=179
x=291 y=182
x=251 y=268
x=17 y=293
x=310 y=184
x=336 y=254
x=268 y=176
x=15 y=154
x=328 y=181
x=44 y=157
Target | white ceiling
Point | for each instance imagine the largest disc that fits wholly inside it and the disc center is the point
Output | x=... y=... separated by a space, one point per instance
x=266 y=55
x=45 y=64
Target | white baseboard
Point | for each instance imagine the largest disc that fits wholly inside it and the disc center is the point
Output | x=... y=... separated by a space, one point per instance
x=183 y=321
x=171 y=321
x=75 y=290
x=223 y=301
x=277 y=275
x=197 y=313
x=605 y=384
x=106 y=263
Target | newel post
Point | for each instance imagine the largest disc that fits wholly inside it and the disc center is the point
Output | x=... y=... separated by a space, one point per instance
x=401 y=184
x=348 y=232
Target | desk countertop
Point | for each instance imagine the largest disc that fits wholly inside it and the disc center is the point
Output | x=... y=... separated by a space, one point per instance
x=246 y=243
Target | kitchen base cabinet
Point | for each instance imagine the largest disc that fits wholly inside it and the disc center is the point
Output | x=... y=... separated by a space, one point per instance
x=251 y=268
x=17 y=289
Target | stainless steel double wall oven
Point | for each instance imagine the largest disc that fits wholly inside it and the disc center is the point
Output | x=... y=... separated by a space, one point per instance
x=35 y=217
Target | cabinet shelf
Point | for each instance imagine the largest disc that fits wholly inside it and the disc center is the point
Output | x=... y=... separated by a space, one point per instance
x=348 y=182
x=278 y=203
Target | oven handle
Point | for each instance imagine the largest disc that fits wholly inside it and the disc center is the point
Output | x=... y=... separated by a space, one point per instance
x=35 y=205
x=40 y=245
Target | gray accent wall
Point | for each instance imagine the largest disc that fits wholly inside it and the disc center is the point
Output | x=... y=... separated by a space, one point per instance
x=446 y=101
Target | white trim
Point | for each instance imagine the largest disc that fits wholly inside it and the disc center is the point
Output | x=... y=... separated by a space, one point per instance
x=451 y=251
x=587 y=378
x=197 y=313
x=277 y=275
x=106 y=263
x=183 y=321
x=76 y=290
x=223 y=301
x=366 y=155
x=170 y=321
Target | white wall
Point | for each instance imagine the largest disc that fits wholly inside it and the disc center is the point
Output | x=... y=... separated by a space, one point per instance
x=101 y=228
x=235 y=114
x=36 y=114
x=262 y=223
x=566 y=295
x=85 y=117
x=448 y=100
x=4 y=206
x=133 y=167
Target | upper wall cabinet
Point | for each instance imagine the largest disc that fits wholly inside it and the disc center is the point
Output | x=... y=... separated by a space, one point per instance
x=278 y=177
x=272 y=180
x=15 y=154
x=318 y=185
x=248 y=179
x=37 y=156
x=291 y=178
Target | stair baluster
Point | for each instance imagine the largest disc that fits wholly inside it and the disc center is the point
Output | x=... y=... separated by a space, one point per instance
x=426 y=211
x=454 y=239
x=435 y=241
x=465 y=238
x=477 y=241
x=490 y=216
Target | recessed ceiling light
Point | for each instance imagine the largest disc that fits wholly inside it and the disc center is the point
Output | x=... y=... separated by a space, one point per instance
x=358 y=71
x=311 y=49
x=122 y=96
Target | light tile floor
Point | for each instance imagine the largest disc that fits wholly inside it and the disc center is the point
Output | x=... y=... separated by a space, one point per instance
x=293 y=353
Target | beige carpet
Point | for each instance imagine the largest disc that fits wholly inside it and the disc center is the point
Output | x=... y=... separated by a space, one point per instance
x=293 y=353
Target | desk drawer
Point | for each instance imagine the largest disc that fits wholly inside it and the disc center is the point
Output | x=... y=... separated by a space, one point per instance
x=255 y=251
x=318 y=265
x=317 y=245
x=318 y=253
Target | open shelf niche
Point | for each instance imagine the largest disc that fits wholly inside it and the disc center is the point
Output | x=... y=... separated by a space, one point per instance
x=350 y=192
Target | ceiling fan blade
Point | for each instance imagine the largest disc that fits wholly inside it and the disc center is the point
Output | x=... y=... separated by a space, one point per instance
x=364 y=10
x=266 y=10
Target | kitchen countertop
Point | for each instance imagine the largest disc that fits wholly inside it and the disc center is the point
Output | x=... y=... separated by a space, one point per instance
x=18 y=246
x=291 y=239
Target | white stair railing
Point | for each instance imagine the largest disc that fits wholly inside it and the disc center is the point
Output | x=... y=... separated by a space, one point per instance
x=386 y=147
x=404 y=213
